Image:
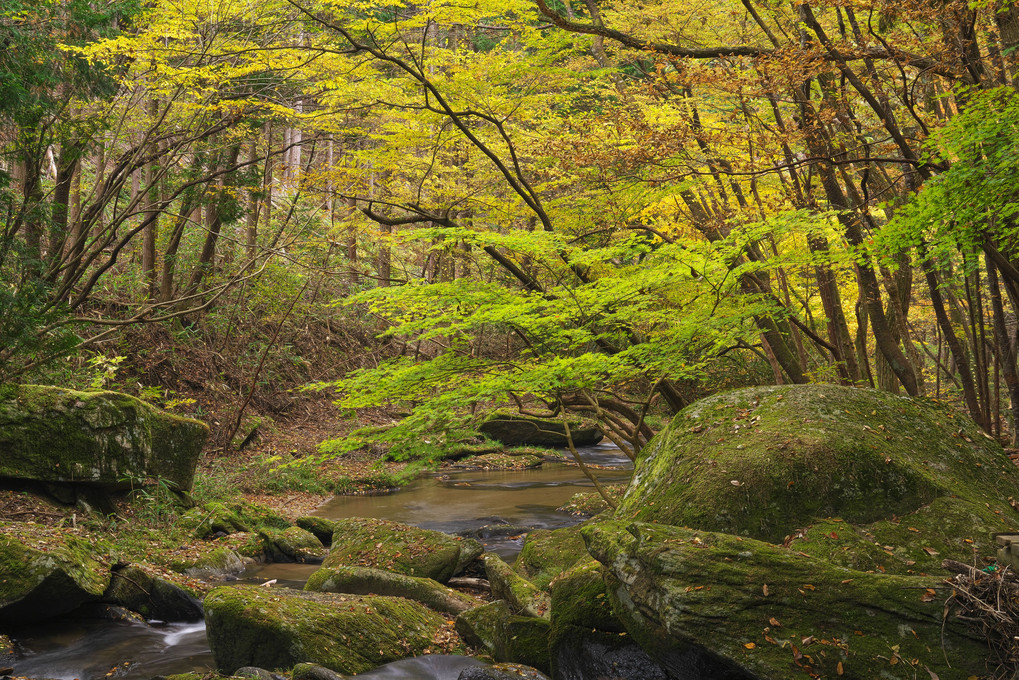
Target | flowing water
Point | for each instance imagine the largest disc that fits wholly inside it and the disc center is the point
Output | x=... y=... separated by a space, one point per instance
x=495 y=506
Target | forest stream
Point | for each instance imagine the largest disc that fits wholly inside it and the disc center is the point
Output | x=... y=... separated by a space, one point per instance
x=489 y=504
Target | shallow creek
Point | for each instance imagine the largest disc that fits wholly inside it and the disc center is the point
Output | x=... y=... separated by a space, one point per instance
x=454 y=503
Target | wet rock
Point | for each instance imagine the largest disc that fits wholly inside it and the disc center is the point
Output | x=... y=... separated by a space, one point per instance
x=505 y=636
x=579 y=598
x=113 y=440
x=322 y=528
x=46 y=572
x=501 y=671
x=106 y=612
x=400 y=548
x=152 y=597
x=522 y=596
x=277 y=628
x=515 y=429
x=582 y=653
x=706 y=604
x=311 y=671
x=367 y=581
x=546 y=554
x=913 y=482
x=292 y=544
x=6 y=655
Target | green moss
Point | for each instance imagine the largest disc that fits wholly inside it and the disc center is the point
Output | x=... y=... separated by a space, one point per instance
x=522 y=596
x=366 y=581
x=772 y=612
x=495 y=630
x=766 y=461
x=381 y=544
x=276 y=629
x=291 y=544
x=59 y=435
x=579 y=598
x=546 y=554
x=47 y=572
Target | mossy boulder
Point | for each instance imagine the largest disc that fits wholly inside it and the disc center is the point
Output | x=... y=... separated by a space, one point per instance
x=494 y=629
x=765 y=462
x=401 y=548
x=366 y=581
x=522 y=596
x=47 y=572
x=51 y=434
x=501 y=671
x=707 y=604
x=548 y=553
x=217 y=564
x=151 y=596
x=320 y=526
x=292 y=544
x=516 y=429
x=276 y=628
x=579 y=598
x=237 y=517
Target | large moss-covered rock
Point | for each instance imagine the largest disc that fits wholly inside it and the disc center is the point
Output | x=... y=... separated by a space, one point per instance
x=52 y=434
x=516 y=429
x=707 y=604
x=46 y=572
x=765 y=462
x=367 y=581
x=237 y=517
x=401 y=548
x=546 y=554
x=505 y=636
x=275 y=628
x=320 y=526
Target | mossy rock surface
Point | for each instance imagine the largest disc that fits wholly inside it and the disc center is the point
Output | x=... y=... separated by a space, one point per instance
x=110 y=439
x=366 y=581
x=548 y=553
x=320 y=526
x=726 y=606
x=237 y=517
x=216 y=564
x=522 y=596
x=764 y=462
x=501 y=671
x=401 y=548
x=579 y=598
x=496 y=630
x=151 y=596
x=516 y=429
x=275 y=628
x=47 y=572
x=292 y=544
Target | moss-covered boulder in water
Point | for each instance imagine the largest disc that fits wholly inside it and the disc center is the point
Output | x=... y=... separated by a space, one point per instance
x=367 y=581
x=516 y=429
x=706 y=604
x=52 y=434
x=546 y=554
x=401 y=548
x=230 y=518
x=766 y=461
x=320 y=526
x=504 y=636
x=276 y=628
x=46 y=572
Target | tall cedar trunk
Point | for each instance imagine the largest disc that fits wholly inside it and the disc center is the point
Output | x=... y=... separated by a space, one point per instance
x=1006 y=351
x=67 y=169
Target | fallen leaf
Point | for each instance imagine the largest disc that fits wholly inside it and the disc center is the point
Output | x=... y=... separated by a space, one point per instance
x=735 y=482
x=930 y=551
x=750 y=645
x=808 y=586
x=928 y=595
x=764 y=589
x=773 y=621
x=838 y=668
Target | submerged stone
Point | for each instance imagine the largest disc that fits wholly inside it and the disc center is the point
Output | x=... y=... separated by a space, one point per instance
x=51 y=434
